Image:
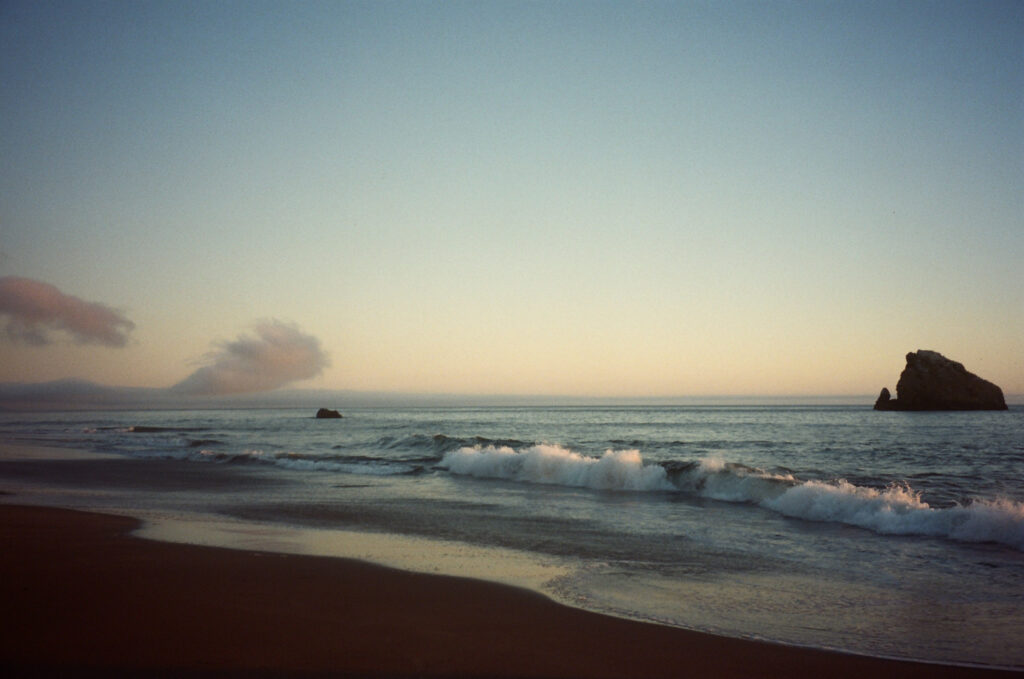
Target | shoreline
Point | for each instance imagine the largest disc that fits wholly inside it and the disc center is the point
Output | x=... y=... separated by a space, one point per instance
x=84 y=594
x=418 y=554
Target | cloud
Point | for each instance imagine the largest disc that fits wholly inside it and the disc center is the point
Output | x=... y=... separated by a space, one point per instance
x=280 y=353
x=35 y=310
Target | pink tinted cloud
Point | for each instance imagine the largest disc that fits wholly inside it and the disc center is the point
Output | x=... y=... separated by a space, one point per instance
x=34 y=311
x=279 y=353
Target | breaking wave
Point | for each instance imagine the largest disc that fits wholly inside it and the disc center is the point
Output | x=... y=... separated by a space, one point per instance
x=899 y=510
x=894 y=510
x=551 y=464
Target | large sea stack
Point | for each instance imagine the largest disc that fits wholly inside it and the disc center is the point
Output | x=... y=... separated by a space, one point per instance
x=933 y=382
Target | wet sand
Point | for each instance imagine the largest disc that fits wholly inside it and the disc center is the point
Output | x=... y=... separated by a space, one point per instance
x=81 y=595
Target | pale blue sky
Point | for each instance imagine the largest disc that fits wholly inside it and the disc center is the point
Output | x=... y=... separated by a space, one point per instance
x=573 y=198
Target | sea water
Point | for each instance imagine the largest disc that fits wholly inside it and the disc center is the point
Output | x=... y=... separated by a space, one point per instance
x=891 y=534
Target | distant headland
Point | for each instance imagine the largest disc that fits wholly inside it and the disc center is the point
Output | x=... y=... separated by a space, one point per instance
x=930 y=381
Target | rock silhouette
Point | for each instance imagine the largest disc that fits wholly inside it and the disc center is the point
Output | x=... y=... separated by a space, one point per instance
x=930 y=381
x=326 y=414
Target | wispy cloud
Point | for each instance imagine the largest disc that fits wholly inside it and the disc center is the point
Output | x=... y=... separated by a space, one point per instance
x=279 y=353
x=34 y=311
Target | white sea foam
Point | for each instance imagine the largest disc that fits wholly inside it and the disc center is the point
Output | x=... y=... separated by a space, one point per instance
x=999 y=520
x=895 y=510
x=552 y=464
x=899 y=510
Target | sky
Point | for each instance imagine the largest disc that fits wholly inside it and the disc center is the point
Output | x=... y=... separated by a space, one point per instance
x=592 y=199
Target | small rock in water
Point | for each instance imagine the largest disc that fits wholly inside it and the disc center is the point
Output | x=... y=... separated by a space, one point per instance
x=884 y=399
x=325 y=413
x=930 y=381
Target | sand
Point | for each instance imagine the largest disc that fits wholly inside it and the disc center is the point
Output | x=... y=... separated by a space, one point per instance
x=82 y=595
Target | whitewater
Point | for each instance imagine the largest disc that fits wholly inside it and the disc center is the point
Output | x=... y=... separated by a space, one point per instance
x=897 y=509
x=892 y=534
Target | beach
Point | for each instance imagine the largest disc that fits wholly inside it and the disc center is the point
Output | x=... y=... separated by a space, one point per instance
x=83 y=595
x=512 y=339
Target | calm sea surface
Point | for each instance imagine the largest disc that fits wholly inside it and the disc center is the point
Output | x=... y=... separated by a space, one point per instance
x=894 y=534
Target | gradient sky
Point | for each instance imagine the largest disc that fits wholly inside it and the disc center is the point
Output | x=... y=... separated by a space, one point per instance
x=553 y=198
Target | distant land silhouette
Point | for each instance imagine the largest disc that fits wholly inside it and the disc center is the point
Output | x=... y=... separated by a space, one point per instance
x=78 y=394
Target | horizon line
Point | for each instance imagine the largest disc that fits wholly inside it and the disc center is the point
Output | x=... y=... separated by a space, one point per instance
x=90 y=395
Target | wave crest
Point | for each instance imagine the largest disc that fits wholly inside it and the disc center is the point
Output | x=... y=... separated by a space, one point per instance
x=899 y=510
x=552 y=464
x=895 y=510
x=717 y=479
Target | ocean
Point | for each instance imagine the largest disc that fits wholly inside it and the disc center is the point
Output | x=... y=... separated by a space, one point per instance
x=832 y=526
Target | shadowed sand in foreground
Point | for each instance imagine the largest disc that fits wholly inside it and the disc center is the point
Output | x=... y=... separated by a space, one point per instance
x=80 y=594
